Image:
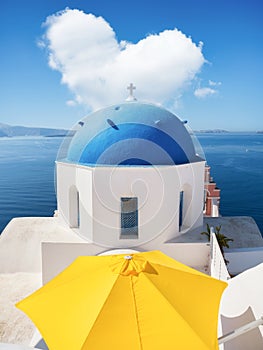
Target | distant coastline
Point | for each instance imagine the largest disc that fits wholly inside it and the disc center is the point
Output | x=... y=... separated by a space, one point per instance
x=15 y=131
x=212 y=131
x=24 y=131
x=69 y=134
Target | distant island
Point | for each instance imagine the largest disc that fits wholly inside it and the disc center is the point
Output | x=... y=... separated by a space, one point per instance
x=213 y=131
x=13 y=131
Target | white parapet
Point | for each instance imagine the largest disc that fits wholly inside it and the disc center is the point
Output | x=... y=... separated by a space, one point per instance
x=218 y=267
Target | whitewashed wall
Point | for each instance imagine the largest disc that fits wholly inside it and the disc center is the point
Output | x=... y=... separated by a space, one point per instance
x=218 y=268
x=157 y=189
x=241 y=304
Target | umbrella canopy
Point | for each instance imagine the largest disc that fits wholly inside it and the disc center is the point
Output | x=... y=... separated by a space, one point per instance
x=134 y=302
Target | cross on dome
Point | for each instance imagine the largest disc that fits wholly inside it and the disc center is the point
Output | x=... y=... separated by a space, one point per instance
x=131 y=87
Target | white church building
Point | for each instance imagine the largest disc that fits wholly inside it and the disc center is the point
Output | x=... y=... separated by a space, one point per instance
x=130 y=175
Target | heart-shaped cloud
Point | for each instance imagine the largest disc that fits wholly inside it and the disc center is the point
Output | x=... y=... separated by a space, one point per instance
x=97 y=68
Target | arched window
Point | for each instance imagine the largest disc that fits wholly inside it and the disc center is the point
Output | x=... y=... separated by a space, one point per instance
x=181 y=209
x=186 y=207
x=74 y=215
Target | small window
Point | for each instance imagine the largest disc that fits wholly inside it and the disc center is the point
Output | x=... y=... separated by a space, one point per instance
x=129 y=217
x=74 y=211
x=181 y=208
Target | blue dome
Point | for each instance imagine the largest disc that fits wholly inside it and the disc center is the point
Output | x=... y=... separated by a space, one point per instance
x=131 y=134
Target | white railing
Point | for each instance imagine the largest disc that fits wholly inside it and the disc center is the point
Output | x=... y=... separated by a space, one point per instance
x=239 y=331
x=218 y=267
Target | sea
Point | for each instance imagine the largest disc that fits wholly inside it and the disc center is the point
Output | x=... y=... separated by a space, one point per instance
x=27 y=177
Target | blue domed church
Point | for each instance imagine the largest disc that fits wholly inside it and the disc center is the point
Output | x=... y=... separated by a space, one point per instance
x=130 y=177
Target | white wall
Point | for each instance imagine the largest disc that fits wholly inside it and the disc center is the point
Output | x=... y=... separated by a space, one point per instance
x=242 y=303
x=68 y=176
x=56 y=256
x=157 y=206
x=84 y=185
x=20 y=242
x=157 y=189
x=195 y=255
x=192 y=182
x=218 y=267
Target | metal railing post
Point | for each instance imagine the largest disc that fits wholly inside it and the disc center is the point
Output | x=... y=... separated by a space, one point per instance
x=239 y=331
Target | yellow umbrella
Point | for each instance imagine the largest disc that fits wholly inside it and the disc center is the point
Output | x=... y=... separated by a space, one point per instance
x=137 y=302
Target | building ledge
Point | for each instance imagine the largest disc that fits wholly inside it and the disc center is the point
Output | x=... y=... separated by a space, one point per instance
x=242 y=229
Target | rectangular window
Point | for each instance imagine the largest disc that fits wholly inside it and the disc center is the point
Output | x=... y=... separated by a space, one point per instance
x=129 y=217
x=181 y=208
x=74 y=210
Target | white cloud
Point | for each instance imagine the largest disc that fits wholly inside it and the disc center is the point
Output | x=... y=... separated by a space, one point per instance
x=71 y=103
x=97 y=68
x=204 y=92
x=214 y=83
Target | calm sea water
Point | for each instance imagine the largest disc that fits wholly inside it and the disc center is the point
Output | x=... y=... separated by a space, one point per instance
x=236 y=162
x=27 y=177
x=27 y=174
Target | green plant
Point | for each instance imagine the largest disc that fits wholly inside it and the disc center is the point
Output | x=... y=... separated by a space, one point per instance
x=221 y=239
x=207 y=232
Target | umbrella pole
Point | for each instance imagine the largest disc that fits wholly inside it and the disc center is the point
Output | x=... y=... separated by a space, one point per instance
x=239 y=331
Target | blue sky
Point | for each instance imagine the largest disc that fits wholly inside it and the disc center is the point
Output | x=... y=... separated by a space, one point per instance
x=231 y=32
